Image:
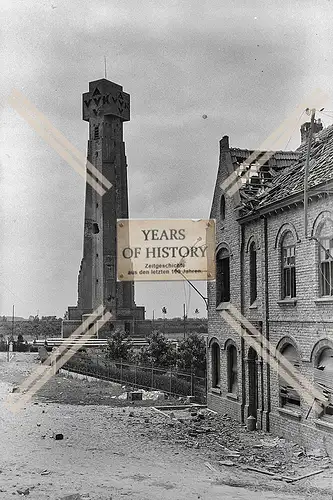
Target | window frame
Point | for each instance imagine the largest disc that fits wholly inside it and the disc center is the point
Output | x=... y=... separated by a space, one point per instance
x=289 y=398
x=288 y=269
x=216 y=365
x=96 y=133
x=327 y=411
x=253 y=273
x=232 y=369
x=222 y=271
x=222 y=207
x=323 y=282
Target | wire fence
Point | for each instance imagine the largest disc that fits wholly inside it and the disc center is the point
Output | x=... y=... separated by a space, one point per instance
x=168 y=380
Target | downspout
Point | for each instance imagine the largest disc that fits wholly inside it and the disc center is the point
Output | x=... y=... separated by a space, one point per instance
x=267 y=323
x=242 y=312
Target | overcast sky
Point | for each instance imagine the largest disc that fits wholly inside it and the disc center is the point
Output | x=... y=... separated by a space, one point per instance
x=246 y=65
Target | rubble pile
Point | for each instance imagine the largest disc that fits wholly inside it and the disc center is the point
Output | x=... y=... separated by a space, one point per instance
x=228 y=443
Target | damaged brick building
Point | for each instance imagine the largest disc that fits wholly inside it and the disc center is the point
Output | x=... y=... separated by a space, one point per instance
x=274 y=264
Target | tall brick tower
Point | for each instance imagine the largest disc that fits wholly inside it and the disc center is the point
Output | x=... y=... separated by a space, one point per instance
x=105 y=107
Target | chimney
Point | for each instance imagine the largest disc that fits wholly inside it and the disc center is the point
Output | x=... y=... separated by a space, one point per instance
x=305 y=130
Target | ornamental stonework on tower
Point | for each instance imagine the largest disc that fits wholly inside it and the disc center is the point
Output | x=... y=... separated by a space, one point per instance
x=105 y=107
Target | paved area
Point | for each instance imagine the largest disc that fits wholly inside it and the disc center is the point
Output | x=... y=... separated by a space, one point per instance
x=110 y=453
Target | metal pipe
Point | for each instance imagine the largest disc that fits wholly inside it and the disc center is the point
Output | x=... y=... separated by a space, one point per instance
x=306 y=173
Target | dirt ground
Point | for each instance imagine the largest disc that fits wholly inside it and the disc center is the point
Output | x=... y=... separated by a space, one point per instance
x=112 y=449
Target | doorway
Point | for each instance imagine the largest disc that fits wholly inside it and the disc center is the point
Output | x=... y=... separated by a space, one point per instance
x=253 y=382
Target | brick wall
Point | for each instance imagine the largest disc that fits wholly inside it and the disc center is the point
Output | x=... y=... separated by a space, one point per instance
x=306 y=321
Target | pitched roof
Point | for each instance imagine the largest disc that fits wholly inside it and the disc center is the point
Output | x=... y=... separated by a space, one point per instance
x=291 y=180
x=287 y=177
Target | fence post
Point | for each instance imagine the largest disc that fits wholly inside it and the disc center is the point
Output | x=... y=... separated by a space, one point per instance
x=121 y=370
x=152 y=375
x=170 y=379
x=135 y=368
x=192 y=381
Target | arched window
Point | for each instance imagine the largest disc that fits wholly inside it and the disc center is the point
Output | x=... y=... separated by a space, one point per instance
x=326 y=259
x=288 y=395
x=232 y=369
x=324 y=378
x=222 y=276
x=288 y=271
x=253 y=272
x=215 y=365
x=222 y=207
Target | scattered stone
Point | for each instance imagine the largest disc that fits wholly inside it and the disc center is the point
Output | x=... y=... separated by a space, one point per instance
x=227 y=463
x=45 y=472
x=23 y=492
x=316 y=454
x=38 y=424
x=190 y=399
x=58 y=437
x=131 y=414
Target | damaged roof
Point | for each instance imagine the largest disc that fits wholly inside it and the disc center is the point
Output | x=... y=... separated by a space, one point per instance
x=285 y=172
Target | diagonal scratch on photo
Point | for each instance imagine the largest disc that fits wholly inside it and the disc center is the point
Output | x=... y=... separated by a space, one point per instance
x=166 y=315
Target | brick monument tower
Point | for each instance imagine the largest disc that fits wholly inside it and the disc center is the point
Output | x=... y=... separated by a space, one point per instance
x=105 y=107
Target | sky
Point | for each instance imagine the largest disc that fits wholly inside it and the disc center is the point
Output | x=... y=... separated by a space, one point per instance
x=246 y=65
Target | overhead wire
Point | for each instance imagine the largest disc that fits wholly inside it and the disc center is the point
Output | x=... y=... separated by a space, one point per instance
x=297 y=123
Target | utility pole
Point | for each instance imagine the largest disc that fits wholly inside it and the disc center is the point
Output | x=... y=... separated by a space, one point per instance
x=306 y=173
x=153 y=318
x=13 y=322
x=184 y=314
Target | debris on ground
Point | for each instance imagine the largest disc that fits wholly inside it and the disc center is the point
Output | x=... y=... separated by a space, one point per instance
x=228 y=443
x=23 y=492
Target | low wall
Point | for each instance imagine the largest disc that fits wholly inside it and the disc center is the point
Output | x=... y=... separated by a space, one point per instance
x=87 y=378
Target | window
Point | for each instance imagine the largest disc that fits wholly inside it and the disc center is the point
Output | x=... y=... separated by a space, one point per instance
x=222 y=207
x=323 y=376
x=222 y=276
x=253 y=273
x=288 y=260
x=289 y=397
x=232 y=369
x=326 y=266
x=215 y=365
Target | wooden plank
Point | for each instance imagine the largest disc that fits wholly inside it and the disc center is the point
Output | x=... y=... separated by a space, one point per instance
x=293 y=479
x=210 y=467
x=262 y=471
